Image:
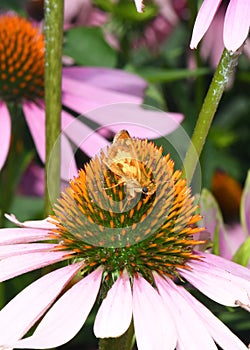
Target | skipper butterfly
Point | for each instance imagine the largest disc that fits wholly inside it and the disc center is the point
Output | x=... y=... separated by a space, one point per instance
x=123 y=160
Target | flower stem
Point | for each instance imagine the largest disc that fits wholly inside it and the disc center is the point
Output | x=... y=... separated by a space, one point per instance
x=53 y=78
x=124 y=342
x=221 y=77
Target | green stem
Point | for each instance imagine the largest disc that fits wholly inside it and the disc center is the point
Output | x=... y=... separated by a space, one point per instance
x=221 y=77
x=53 y=78
x=124 y=342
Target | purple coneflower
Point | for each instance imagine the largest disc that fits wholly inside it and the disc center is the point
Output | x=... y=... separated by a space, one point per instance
x=129 y=248
x=84 y=89
x=236 y=22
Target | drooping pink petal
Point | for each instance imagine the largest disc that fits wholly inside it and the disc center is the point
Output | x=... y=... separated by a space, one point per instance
x=140 y=121
x=17 y=317
x=115 y=80
x=22 y=235
x=35 y=118
x=139 y=5
x=212 y=43
x=150 y=318
x=224 y=264
x=68 y=163
x=236 y=24
x=66 y=317
x=81 y=135
x=203 y=20
x=86 y=98
x=229 y=286
x=17 y=265
x=245 y=206
x=18 y=249
x=185 y=318
x=115 y=313
x=45 y=224
x=5 y=133
x=218 y=330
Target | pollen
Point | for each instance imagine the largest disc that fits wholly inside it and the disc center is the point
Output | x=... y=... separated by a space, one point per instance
x=146 y=234
x=21 y=60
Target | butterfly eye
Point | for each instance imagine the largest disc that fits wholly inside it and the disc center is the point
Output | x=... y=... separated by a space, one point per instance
x=144 y=190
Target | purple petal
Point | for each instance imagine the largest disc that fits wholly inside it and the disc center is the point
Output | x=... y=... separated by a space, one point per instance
x=66 y=317
x=83 y=97
x=17 y=265
x=18 y=316
x=68 y=163
x=22 y=235
x=150 y=318
x=203 y=20
x=219 y=284
x=140 y=121
x=18 y=249
x=5 y=133
x=185 y=318
x=35 y=118
x=245 y=206
x=81 y=135
x=37 y=224
x=220 y=333
x=115 y=313
x=107 y=79
x=236 y=24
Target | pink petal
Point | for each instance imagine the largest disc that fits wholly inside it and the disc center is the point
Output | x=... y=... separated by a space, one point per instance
x=81 y=135
x=87 y=97
x=68 y=163
x=218 y=262
x=185 y=318
x=150 y=318
x=236 y=24
x=22 y=235
x=18 y=249
x=17 y=265
x=107 y=79
x=139 y=5
x=245 y=206
x=220 y=333
x=218 y=283
x=115 y=313
x=140 y=121
x=5 y=133
x=67 y=315
x=35 y=118
x=203 y=20
x=37 y=224
x=17 y=317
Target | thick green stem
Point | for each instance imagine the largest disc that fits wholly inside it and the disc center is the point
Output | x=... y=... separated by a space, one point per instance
x=221 y=77
x=124 y=342
x=53 y=78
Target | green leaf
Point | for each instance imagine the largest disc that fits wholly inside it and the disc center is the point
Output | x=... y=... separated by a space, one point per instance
x=242 y=256
x=27 y=208
x=88 y=47
x=154 y=75
x=221 y=137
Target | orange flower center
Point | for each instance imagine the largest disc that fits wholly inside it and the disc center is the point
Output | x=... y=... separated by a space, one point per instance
x=21 y=60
